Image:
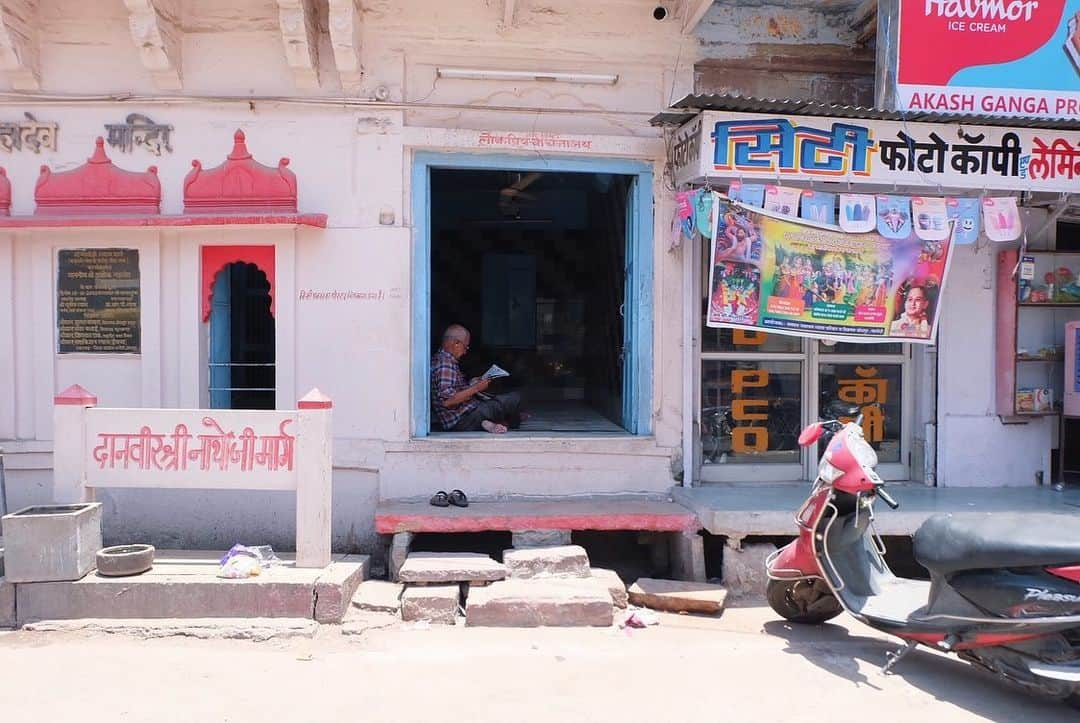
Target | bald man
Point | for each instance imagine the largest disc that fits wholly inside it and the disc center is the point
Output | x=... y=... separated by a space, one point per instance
x=454 y=400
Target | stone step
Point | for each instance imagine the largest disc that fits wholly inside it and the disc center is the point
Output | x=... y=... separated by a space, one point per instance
x=185 y=585
x=562 y=561
x=434 y=603
x=256 y=629
x=678 y=596
x=447 y=567
x=616 y=587
x=378 y=596
x=553 y=602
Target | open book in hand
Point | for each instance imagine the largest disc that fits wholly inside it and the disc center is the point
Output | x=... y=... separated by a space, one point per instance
x=495 y=372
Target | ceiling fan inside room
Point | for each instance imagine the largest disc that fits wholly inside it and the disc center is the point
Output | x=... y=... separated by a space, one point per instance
x=514 y=195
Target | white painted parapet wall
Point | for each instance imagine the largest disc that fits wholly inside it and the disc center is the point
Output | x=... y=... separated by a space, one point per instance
x=201 y=449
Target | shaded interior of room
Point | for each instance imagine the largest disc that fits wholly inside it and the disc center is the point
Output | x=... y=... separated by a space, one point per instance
x=241 y=350
x=534 y=265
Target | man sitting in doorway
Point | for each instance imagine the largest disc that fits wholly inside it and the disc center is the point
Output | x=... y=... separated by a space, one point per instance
x=461 y=406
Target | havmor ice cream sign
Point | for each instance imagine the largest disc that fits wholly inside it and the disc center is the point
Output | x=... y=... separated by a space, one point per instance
x=992 y=57
x=774 y=149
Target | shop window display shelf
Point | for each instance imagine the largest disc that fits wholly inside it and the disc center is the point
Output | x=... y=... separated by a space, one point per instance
x=1030 y=361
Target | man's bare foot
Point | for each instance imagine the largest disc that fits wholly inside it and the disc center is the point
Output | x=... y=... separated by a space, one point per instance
x=493 y=427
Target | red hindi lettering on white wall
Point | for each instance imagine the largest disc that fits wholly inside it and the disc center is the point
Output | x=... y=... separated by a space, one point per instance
x=179 y=450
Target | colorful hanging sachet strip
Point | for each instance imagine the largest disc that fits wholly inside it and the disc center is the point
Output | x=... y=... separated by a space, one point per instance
x=932 y=218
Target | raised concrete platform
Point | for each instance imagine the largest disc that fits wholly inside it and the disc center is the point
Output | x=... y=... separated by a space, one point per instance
x=744 y=510
x=586 y=513
x=184 y=584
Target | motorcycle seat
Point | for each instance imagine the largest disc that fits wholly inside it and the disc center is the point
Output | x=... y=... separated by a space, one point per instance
x=947 y=543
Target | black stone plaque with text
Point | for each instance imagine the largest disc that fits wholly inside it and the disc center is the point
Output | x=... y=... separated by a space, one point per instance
x=97 y=301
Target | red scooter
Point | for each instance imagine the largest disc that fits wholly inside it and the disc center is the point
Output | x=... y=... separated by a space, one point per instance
x=1004 y=589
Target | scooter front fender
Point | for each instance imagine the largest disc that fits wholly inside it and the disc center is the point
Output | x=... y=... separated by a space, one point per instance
x=797 y=560
x=793 y=561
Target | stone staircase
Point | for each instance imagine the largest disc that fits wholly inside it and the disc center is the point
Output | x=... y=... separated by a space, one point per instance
x=531 y=587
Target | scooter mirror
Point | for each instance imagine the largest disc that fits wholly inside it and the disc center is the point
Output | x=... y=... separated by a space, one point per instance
x=811 y=434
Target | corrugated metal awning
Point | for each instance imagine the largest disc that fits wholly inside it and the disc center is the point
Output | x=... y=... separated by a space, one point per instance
x=685 y=109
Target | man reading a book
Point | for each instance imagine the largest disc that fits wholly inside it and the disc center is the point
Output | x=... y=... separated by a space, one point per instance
x=463 y=406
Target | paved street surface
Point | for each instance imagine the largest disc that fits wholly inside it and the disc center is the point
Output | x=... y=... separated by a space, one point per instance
x=743 y=666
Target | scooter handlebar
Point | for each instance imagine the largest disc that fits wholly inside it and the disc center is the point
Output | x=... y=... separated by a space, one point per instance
x=886 y=498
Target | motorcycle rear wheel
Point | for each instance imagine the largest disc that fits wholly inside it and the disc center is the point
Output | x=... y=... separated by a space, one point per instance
x=807 y=602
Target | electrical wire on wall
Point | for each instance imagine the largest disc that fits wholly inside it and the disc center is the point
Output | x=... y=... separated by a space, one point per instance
x=25 y=99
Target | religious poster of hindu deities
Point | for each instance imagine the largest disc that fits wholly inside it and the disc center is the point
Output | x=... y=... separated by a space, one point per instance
x=784 y=275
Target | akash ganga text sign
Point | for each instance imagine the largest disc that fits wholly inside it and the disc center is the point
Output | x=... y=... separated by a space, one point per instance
x=991 y=57
x=780 y=275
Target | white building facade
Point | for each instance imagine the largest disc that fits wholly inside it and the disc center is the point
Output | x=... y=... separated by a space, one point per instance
x=377 y=104
x=351 y=93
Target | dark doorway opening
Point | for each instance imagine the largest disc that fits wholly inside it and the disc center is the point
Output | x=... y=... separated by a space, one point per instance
x=534 y=265
x=241 y=354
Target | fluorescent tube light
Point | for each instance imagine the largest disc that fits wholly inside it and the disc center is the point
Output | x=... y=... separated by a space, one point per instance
x=537 y=75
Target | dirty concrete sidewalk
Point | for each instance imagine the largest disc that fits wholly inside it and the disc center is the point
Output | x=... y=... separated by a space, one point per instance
x=743 y=666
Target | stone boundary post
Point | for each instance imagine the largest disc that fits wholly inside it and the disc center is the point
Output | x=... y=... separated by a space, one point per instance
x=314 y=467
x=69 y=439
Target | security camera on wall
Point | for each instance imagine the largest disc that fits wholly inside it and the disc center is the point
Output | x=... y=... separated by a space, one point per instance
x=662 y=11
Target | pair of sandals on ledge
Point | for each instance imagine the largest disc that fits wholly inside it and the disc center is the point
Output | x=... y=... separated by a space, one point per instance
x=456 y=498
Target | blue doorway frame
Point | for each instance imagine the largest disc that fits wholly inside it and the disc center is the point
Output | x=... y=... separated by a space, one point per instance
x=638 y=313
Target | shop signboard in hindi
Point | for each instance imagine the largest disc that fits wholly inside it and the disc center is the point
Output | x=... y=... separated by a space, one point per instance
x=783 y=275
x=685 y=149
x=764 y=148
x=1018 y=58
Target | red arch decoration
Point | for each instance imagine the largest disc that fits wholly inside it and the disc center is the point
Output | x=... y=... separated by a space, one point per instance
x=216 y=258
x=240 y=185
x=97 y=188
x=239 y=191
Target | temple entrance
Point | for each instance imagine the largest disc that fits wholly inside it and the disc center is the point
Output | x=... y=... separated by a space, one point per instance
x=241 y=350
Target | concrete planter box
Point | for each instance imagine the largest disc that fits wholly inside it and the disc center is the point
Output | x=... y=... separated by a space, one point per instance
x=51 y=543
